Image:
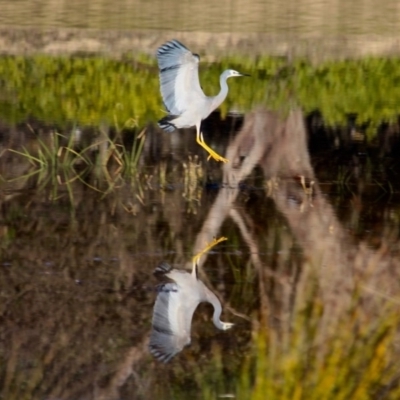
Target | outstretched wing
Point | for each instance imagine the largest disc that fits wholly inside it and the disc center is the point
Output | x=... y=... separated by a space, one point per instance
x=171 y=324
x=179 y=77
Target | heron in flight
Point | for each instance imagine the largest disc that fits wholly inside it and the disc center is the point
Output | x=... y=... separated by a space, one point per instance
x=183 y=97
x=175 y=304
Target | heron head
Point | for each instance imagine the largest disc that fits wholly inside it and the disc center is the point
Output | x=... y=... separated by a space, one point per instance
x=227 y=325
x=230 y=73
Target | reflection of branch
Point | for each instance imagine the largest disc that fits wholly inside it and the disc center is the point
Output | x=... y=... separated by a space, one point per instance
x=311 y=218
x=254 y=256
x=313 y=224
x=250 y=145
x=266 y=138
x=278 y=144
x=247 y=150
x=253 y=247
x=200 y=257
x=214 y=220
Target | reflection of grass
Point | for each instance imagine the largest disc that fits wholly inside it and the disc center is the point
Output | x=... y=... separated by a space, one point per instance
x=51 y=154
x=193 y=183
x=352 y=359
x=62 y=158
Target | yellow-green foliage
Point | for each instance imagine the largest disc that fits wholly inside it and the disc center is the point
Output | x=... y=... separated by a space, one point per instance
x=354 y=359
x=87 y=91
x=368 y=88
x=91 y=90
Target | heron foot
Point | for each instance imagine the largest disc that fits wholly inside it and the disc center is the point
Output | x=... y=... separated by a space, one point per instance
x=209 y=150
x=214 y=242
x=217 y=157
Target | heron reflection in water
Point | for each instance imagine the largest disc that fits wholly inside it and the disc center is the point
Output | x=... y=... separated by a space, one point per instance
x=175 y=304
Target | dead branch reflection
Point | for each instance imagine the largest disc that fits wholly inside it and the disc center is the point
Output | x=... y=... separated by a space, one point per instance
x=278 y=145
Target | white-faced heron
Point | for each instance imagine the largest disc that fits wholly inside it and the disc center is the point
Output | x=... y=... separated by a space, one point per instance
x=175 y=304
x=185 y=101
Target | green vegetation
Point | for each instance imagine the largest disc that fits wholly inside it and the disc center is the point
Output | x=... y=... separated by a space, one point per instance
x=87 y=91
x=368 y=89
x=354 y=360
x=92 y=90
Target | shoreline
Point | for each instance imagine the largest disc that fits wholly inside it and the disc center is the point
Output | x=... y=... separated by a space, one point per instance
x=119 y=43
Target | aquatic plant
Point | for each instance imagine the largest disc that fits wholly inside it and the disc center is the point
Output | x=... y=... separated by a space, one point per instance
x=64 y=158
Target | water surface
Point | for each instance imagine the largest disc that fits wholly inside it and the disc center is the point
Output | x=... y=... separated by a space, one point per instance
x=78 y=257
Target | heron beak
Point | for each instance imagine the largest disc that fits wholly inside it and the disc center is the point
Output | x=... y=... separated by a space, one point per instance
x=244 y=74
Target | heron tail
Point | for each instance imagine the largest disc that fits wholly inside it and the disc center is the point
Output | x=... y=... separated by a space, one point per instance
x=166 y=123
x=163 y=268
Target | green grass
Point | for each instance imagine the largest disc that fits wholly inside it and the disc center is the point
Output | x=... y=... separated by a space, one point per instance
x=93 y=90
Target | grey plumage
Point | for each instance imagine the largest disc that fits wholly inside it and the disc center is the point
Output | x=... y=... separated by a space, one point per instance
x=182 y=95
x=173 y=311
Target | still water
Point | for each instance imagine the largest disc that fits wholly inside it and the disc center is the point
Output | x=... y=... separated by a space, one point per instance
x=79 y=247
x=94 y=197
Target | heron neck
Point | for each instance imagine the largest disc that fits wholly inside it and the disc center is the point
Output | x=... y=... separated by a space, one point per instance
x=220 y=97
x=217 y=309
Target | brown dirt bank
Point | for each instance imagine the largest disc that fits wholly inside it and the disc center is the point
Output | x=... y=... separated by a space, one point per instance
x=113 y=43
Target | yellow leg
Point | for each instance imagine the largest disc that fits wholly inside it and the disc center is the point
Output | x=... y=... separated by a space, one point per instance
x=208 y=247
x=210 y=151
